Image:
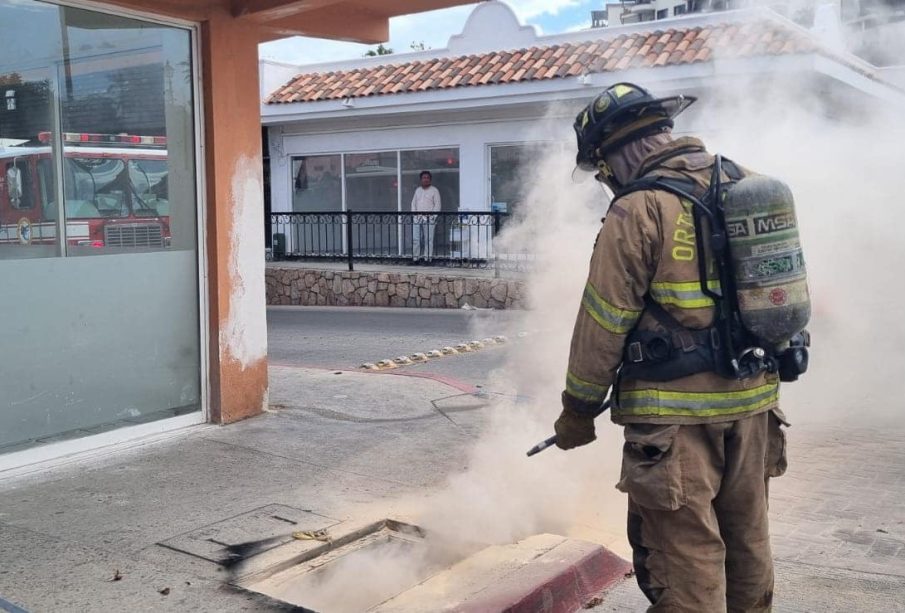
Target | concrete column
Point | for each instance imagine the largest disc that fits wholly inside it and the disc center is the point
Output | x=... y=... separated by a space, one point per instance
x=235 y=218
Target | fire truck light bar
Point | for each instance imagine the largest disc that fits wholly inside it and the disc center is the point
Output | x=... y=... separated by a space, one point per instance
x=86 y=138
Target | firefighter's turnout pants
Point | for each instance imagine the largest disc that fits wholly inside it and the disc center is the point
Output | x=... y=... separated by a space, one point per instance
x=697 y=518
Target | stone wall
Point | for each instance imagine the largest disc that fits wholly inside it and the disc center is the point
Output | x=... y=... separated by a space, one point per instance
x=302 y=286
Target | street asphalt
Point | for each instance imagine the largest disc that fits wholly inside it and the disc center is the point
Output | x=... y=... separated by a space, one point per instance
x=297 y=335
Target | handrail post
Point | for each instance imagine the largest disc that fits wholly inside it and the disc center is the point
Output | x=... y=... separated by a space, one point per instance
x=348 y=215
x=496 y=230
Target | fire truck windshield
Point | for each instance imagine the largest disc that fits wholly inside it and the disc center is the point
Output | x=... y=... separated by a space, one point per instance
x=113 y=187
x=149 y=187
x=96 y=187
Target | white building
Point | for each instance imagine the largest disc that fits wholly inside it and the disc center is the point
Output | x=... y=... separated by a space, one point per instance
x=355 y=135
x=636 y=11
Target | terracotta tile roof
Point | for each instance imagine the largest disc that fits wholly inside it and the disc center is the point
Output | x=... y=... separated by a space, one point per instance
x=672 y=47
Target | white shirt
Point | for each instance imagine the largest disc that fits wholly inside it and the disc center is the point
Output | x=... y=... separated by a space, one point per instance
x=426 y=200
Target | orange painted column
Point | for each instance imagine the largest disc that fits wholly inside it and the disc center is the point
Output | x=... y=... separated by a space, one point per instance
x=235 y=218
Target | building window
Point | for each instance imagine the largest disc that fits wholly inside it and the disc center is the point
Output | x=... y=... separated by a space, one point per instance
x=679 y=10
x=372 y=181
x=111 y=339
x=443 y=164
x=662 y=14
x=317 y=183
x=511 y=173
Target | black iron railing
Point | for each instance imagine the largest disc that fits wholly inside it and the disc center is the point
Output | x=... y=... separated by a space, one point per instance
x=446 y=238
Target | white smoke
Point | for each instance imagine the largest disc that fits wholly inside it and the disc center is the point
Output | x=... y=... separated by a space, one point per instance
x=842 y=155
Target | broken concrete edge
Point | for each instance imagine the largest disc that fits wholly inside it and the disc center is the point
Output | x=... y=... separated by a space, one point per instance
x=312 y=287
x=572 y=588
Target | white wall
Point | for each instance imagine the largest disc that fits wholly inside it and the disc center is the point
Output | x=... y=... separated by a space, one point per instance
x=472 y=139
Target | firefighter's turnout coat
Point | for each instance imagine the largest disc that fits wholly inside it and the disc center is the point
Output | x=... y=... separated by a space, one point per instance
x=647 y=246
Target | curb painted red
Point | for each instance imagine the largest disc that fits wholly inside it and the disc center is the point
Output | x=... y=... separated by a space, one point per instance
x=449 y=381
x=551 y=587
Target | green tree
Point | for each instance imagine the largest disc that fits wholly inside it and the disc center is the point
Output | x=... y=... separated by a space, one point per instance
x=380 y=50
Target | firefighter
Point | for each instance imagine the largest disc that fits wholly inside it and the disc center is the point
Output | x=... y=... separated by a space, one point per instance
x=699 y=448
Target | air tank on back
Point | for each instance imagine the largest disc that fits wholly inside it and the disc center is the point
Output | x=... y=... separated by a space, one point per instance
x=770 y=276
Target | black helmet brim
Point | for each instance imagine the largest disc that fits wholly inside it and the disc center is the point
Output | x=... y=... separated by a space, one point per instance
x=667 y=108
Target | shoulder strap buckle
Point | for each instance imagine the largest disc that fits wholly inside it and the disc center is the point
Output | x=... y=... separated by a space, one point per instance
x=634 y=353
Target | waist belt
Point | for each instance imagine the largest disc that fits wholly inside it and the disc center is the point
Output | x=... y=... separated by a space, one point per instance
x=659 y=347
x=671 y=354
x=657 y=356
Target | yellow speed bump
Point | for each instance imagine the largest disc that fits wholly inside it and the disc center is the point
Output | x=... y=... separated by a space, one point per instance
x=436 y=353
x=385 y=365
x=418 y=357
x=449 y=351
x=464 y=348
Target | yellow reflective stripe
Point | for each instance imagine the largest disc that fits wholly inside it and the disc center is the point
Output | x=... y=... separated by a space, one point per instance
x=610 y=317
x=686 y=295
x=696 y=404
x=585 y=390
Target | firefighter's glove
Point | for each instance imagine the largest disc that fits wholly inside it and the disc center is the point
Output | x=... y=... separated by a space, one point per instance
x=575 y=426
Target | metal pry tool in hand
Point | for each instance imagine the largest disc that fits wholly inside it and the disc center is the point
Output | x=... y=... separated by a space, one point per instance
x=542 y=445
x=552 y=440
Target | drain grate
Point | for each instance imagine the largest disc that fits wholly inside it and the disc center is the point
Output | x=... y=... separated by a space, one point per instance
x=238 y=538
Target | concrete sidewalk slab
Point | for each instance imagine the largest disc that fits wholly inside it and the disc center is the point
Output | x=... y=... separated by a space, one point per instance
x=65 y=533
x=541 y=573
x=800 y=588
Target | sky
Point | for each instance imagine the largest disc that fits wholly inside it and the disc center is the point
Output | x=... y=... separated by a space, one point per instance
x=434 y=29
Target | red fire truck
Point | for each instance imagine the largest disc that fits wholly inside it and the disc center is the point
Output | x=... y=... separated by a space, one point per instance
x=115 y=192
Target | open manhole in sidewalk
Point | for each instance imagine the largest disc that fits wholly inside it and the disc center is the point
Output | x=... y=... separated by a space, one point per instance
x=393 y=567
x=355 y=571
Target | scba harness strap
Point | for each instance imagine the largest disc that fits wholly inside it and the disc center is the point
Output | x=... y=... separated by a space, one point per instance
x=678 y=351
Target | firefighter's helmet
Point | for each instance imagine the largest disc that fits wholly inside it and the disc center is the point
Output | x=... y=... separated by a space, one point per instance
x=622 y=112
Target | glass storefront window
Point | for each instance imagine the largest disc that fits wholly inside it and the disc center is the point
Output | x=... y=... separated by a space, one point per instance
x=317 y=183
x=317 y=191
x=372 y=186
x=512 y=169
x=443 y=165
x=31 y=46
x=97 y=158
x=372 y=181
x=508 y=165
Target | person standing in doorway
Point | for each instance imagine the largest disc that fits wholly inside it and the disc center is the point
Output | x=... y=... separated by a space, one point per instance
x=425 y=200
